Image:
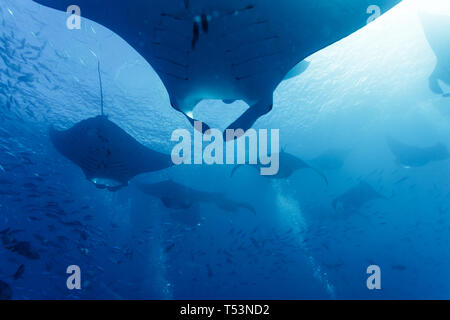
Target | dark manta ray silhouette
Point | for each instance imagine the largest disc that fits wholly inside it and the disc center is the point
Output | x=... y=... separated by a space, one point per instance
x=356 y=197
x=436 y=30
x=332 y=159
x=410 y=156
x=108 y=156
x=5 y=291
x=226 y=49
x=176 y=196
x=288 y=165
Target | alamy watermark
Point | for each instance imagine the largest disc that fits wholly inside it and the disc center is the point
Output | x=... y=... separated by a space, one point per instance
x=213 y=152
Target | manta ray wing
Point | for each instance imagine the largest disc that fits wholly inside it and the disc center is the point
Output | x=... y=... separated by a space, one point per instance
x=227 y=49
x=104 y=151
x=436 y=31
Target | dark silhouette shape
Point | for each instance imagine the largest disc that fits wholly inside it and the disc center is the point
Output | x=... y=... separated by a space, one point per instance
x=410 y=156
x=288 y=165
x=356 y=197
x=108 y=156
x=176 y=196
x=5 y=291
x=436 y=28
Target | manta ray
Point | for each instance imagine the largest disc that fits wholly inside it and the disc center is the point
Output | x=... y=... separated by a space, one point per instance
x=436 y=31
x=410 y=156
x=288 y=165
x=226 y=49
x=176 y=196
x=356 y=197
x=108 y=156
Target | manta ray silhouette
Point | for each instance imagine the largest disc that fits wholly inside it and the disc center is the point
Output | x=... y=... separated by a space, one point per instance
x=176 y=196
x=226 y=49
x=332 y=159
x=108 y=156
x=411 y=156
x=288 y=165
x=436 y=30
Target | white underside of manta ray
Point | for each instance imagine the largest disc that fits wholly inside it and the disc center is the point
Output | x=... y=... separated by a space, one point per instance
x=226 y=49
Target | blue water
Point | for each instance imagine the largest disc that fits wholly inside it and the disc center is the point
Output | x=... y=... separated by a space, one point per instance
x=129 y=246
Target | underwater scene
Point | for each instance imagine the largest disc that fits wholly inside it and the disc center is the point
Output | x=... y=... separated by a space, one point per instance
x=240 y=149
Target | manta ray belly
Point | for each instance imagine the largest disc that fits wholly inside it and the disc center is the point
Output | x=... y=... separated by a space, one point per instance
x=226 y=49
x=223 y=53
